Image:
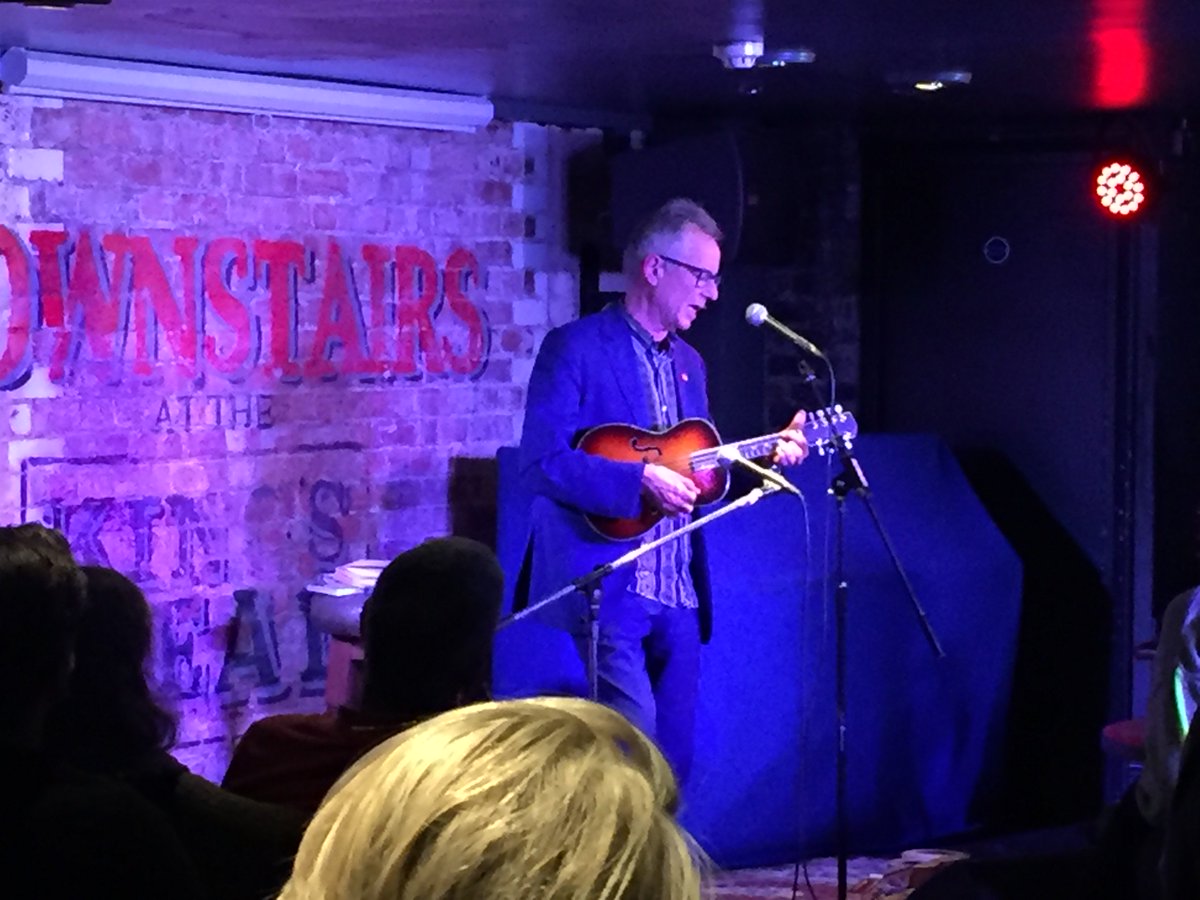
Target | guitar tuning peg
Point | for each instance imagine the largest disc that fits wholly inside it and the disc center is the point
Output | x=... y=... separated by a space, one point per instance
x=837 y=408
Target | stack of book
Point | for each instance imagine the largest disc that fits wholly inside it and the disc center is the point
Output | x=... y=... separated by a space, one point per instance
x=350 y=578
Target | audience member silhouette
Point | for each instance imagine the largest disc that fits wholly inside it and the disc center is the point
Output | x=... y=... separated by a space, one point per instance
x=549 y=799
x=1129 y=856
x=110 y=723
x=427 y=632
x=1180 y=859
x=65 y=833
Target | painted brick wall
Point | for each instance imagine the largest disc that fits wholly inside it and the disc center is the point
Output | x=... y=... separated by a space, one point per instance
x=239 y=350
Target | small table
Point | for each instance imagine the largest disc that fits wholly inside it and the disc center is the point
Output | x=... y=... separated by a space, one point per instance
x=338 y=616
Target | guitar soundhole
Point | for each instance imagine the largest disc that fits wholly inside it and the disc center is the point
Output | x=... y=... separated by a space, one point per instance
x=645 y=449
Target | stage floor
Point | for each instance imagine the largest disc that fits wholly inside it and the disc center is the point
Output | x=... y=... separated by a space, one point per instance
x=1046 y=864
x=868 y=878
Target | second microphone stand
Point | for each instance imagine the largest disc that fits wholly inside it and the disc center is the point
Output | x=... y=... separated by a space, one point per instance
x=852 y=479
x=590 y=584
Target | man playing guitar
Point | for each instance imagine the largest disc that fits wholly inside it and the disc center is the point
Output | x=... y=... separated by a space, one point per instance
x=627 y=364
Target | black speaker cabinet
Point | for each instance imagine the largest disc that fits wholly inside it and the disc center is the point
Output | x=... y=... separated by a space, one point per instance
x=749 y=180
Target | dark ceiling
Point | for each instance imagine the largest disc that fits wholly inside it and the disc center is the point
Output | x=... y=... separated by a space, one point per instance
x=610 y=61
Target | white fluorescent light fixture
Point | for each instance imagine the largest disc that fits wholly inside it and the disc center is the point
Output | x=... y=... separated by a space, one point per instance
x=38 y=74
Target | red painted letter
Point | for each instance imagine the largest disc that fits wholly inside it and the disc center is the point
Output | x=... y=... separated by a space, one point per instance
x=417 y=285
x=461 y=268
x=339 y=321
x=379 y=265
x=154 y=304
x=224 y=259
x=92 y=309
x=284 y=263
x=18 y=357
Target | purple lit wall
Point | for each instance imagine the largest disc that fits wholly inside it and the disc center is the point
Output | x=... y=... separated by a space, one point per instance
x=236 y=351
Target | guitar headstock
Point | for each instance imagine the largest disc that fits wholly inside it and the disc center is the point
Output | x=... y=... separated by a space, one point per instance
x=824 y=426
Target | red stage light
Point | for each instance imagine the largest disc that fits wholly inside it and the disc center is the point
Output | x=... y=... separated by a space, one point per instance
x=1120 y=188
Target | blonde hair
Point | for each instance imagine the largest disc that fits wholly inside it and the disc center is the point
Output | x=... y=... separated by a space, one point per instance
x=547 y=799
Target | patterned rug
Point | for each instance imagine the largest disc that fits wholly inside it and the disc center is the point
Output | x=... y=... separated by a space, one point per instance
x=868 y=878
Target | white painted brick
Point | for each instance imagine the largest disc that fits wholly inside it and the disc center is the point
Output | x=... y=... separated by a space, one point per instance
x=530 y=198
x=521 y=370
x=14 y=122
x=37 y=386
x=10 y=500
x=563 y=310
x=34 y=164
x=530 y=138
x=14 y=201
x=24 y=449
x=562 y=284
x=531 y=255
x=20 y=419
x=529 y=312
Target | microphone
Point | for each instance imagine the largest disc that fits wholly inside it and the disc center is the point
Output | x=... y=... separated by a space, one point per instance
x=756 y=314
x=729 y=456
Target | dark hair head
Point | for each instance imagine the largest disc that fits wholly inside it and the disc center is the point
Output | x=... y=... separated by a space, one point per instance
x=428 y=626
x=109 y=720
x=41 y=599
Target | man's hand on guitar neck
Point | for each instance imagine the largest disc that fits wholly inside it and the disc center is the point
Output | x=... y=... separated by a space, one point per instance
x=792 y=446
x=670 y=492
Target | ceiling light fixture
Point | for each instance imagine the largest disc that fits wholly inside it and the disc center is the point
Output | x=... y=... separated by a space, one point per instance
x=927 y=81
x=38 y=74
x=953 y=76
x=57 y=4
x=1120 y=188
x=787 y=56
x=739 y=54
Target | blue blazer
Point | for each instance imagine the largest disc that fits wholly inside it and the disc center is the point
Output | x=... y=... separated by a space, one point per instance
x=586 y=374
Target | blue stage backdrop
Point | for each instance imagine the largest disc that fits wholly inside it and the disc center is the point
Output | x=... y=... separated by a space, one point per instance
x=924 y=735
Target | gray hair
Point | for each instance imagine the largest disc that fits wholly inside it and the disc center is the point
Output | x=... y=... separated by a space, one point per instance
x=668 y=221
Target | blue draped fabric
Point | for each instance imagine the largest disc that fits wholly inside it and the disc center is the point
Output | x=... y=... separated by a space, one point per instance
x=924 y=735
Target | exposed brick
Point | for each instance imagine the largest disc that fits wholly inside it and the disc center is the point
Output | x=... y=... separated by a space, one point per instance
x=271 y=180
x=47 y=127
x=352 y=464
x=366 y=219
x=497 y=193
x=142 y=170
x=325 y=216
x=494 y=253
x=14 y=202
x=323 y=182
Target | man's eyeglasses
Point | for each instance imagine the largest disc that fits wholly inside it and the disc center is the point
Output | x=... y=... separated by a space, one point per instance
x=703 y=276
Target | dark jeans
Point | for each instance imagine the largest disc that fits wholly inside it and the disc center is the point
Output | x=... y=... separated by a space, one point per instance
x=649 y=670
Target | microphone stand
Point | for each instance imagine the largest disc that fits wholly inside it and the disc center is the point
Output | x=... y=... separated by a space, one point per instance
x=852 y=479
x=590 y=583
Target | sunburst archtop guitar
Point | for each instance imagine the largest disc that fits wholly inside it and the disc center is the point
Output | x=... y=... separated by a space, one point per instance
x=693 y=448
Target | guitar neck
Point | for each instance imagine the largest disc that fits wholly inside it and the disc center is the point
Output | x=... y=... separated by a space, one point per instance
x=764 y=445
x=822 y=428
